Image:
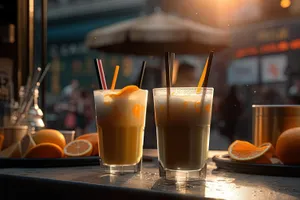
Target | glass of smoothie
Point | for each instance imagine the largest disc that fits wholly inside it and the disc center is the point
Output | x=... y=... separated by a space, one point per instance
x=120 y=116
x=183 y=121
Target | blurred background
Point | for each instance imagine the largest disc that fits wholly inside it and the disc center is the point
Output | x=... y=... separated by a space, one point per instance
x=259 y=65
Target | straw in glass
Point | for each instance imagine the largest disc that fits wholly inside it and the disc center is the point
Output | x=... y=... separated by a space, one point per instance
x=101 y=74
x=203 y=81
x=206 y=72
x=98 y=73
x=172 y=59
x=168 y=69
x=168 y=81
x=141 y=77
x=113 y=84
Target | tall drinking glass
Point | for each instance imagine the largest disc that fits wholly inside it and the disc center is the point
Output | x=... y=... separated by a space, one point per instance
x=183 y=129
x=120 y=125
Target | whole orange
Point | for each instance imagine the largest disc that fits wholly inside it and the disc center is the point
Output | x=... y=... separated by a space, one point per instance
x=49 y=136
x=288 y=146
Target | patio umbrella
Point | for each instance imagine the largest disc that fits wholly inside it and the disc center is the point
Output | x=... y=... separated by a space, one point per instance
x=157 y=33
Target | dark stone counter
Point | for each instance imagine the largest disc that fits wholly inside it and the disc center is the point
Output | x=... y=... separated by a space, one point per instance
x=89 y=182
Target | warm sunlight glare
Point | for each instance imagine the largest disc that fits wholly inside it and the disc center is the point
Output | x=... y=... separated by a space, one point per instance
x=285 y=3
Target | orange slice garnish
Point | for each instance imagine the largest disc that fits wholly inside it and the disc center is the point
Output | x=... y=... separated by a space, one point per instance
x=45 y=150
x=245 y=151
x=78 y=148
x=125 y=91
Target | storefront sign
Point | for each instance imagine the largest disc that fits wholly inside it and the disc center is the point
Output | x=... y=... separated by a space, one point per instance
x=243 y=71
x=274 y=47
x=275 y=34
x=273 y=68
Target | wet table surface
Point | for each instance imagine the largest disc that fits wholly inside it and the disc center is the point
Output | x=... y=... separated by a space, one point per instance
x=218 y=184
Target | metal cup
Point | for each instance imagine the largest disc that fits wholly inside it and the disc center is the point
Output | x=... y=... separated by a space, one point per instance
x=269 y=121
x=13 y=134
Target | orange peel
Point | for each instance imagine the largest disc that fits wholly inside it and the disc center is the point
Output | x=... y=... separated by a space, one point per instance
x=125 y=91
x=245 y=151
x=45 y=150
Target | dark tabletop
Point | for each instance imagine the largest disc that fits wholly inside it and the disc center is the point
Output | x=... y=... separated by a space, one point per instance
x=219 y=184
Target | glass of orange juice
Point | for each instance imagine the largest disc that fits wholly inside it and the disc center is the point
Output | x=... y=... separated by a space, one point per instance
x=120 y=117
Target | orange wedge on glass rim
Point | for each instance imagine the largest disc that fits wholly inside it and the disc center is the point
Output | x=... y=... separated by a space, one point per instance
x=78 y=148
x=246 y=152
x=125 y=91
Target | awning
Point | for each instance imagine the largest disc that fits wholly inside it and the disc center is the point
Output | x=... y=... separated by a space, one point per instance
x=77 y=31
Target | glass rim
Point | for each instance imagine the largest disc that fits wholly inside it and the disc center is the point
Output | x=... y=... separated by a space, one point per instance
x=275 y=106
x=183 y=88
x=110 y=90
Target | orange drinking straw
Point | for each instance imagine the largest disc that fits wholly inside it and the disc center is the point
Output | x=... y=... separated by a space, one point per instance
x=113 y=84
x=201 y=80
x=205 y=73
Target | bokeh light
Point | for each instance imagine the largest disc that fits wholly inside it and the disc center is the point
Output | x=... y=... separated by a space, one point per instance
x=285 y=3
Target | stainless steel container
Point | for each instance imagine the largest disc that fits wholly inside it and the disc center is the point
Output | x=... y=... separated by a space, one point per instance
x=269 y=121
x=13 y=134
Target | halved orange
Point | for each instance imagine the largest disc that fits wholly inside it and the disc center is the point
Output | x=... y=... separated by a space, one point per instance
x=44 y=150
x=78 y=148
x=125 y=91
x=92 y=138
x=245 y=151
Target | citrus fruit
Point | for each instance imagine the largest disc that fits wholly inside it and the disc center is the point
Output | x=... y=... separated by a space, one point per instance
x=288 y=146
x=245 y=151
x=1 y=141
x=45 y=150
x=49 y=136
x=13 y=151
x=78 y=148
x=271 y=151
x=92 y=138
x=126 y=91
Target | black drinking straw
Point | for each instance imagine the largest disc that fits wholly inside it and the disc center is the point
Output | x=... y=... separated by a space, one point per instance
x=140 y=83
x=168 y=82
x=210 y=57
x=98 y=73
x=168 y=69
